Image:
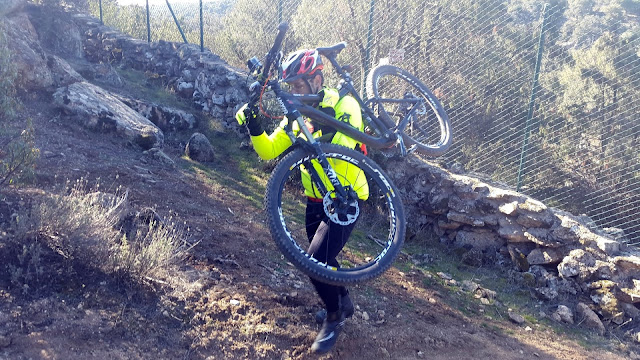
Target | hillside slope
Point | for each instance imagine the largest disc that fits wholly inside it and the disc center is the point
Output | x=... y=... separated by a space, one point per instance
x=233 y=296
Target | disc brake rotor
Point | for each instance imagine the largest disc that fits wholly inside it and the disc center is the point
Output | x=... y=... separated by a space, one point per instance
x=339 y=212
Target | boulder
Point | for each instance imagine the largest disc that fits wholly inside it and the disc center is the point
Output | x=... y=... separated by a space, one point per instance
x=630 y=310
x=578 y=263
x=630 y=294
x=564 y=314
x=63 y=74
x=464 y=218
x=199 y=148
x=532 y=205
x=158 y=155
x=106 y=74
x=628 y=263
x=541 y=237
x=100 y=110
x=58 y=32
x=28 y=57
x=518 y=257
x=544 y=256
x=478 y=239
x=509 y=208
x=602 y=294
x=590 y=318
x=465 y=190
x=535 y=220
x=513 y=233
x=165 y=117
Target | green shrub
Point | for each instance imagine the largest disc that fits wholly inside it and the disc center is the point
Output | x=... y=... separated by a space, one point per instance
x=8 y=75
x=18 y=153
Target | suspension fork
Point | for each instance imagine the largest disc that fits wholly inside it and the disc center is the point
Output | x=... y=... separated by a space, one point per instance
x=314 y=145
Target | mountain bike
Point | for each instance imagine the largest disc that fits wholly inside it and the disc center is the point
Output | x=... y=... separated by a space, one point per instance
x=400 y=111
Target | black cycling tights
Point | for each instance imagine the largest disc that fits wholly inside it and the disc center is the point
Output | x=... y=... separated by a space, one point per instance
x=326 y=241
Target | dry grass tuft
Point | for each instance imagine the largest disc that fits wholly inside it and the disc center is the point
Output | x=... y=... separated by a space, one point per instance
x=86 y=225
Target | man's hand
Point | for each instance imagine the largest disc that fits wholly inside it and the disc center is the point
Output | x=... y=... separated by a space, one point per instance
x=249 y=115
x=244 y=113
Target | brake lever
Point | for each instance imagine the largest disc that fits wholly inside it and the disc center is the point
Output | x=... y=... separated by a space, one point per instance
x=254 y=85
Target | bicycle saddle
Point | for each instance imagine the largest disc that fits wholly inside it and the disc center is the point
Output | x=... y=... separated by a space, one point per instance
x=332 y=50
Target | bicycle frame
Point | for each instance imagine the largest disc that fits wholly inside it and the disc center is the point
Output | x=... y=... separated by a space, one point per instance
x=297 y=106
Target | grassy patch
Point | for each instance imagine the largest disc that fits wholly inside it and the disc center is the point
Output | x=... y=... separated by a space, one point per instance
x=147 y=86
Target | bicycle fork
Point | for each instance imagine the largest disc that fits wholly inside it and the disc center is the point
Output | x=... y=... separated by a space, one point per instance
x=329 y=172
x=410 y=111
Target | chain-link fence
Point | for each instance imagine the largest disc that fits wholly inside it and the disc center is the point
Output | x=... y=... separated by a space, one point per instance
x=567 y=134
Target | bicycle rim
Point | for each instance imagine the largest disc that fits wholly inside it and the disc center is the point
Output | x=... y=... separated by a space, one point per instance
x=429 y=126
x=377 y=231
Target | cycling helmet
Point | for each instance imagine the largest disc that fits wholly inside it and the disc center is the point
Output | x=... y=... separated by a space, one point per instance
x=301 y=64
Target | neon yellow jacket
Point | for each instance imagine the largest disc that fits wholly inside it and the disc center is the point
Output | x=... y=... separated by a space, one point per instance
x=346 y=109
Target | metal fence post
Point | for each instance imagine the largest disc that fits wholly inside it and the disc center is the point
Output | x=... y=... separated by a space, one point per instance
x=367 y=59
x=175 y=19
x=532 y=100
x=148 y=24
x=201 y=29
x=100 y=4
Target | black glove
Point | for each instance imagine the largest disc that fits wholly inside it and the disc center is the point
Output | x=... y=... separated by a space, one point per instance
x=249 y=115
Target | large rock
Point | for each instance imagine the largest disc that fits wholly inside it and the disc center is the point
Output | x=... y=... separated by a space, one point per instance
x=63 y=74
x=544 y=256
x=98 y=109
x=628 y=263
x=58 y=32
x=591 y=319
x=602 y=294
x=28 y=57
x=630 y=294
x=480 y=239
x=578 y=263
x=199 y=148
x=513 y=233
x=165 y=117
x=542 y=237
x=563 y=314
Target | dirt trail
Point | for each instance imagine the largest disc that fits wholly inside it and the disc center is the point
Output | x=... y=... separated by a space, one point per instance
x=236 y=298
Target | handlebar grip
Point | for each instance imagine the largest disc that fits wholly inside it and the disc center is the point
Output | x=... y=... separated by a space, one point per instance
x=282 y=29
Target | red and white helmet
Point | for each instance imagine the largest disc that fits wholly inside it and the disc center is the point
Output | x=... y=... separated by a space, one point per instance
x=301 y=64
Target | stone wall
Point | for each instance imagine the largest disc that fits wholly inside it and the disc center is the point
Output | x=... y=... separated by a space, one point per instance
x=563 y=257
x=213 y=85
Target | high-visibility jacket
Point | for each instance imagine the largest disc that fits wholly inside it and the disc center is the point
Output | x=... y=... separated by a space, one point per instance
x=346 y=109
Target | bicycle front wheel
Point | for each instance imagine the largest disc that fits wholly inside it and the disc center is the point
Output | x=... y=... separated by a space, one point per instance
x=428 y=128
x=374 y=218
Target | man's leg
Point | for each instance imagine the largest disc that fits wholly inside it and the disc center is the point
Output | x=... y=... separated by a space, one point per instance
x=327 y=242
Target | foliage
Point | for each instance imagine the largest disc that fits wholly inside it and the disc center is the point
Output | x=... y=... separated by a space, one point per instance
x=18 y=154
x=84 y=225
x=8 y=75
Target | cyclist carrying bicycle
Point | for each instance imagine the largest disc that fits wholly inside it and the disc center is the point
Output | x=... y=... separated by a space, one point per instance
x=302 y=70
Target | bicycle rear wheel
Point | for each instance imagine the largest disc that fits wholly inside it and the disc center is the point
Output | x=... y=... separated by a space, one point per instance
x=429 y=127
x=376 y=216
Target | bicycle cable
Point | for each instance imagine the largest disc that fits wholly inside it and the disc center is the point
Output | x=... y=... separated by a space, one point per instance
x=262 y=111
